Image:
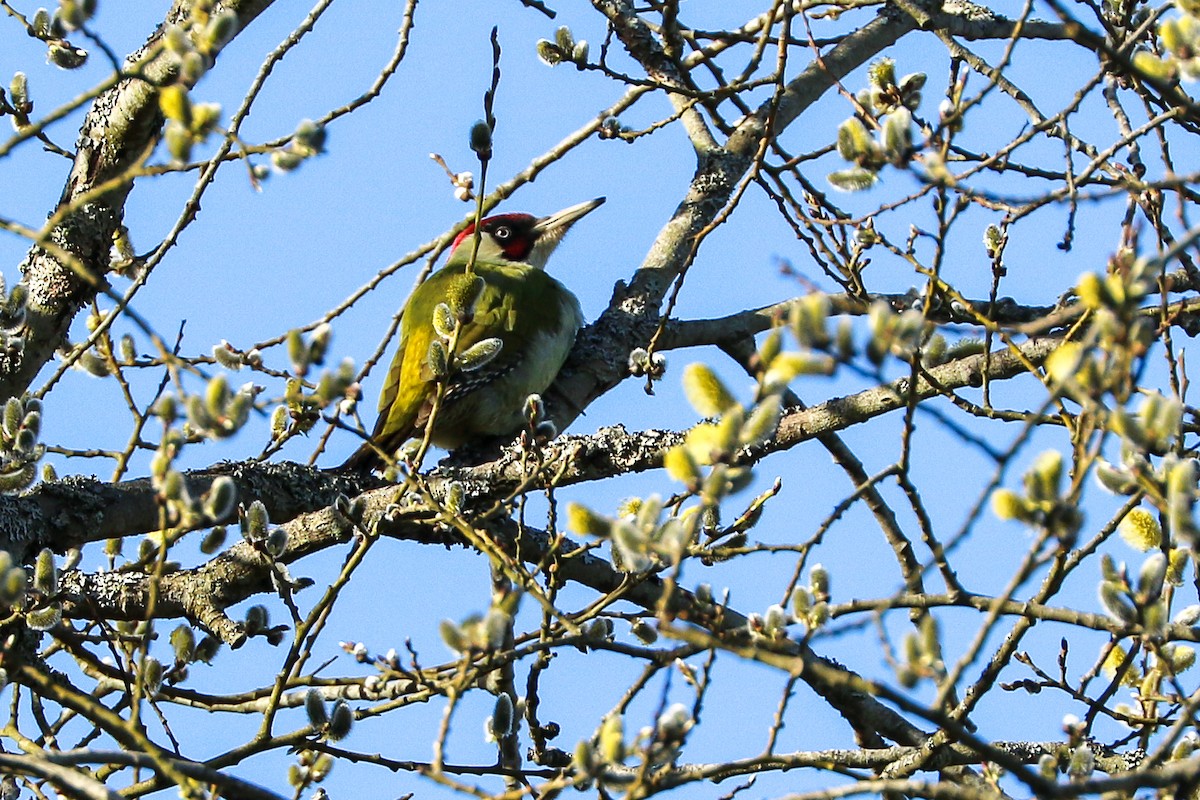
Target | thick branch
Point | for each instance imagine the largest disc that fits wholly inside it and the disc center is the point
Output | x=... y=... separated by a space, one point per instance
x=73 y=512
x=202 y=594
x=598 y=361
x=118 y=132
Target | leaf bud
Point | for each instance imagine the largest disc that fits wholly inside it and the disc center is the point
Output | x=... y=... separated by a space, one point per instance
x=480 y=354
x=564 y=39
x=43 y=619
x=1082 y=763
x=436 y=359
x=1140 y=530
x=152 y=675
x=763 y=422
x=286 y=160
x=276 y=542
x=1114 y=479
x=219 y=30
x=882 y=73
x=1188 y=616
x=480 y=140
x=221 y=497
x=166 y=409
x=18 y=93
x=853 y=140
x=818 y=582
x=549 y=53
x=255 y=522
x=584 y=758
x=612 y=739
x=674 y=723
x=1116 y=603
x=535 y=408
x=453 y=636
x=463 y=294
x=314 y=707
x=1184 y=747
x=1044 y=479
x=207 y=649
x=183 y=642
x=775 y=622
x=582 y=519
x=45 y=574
x=205 y=117
x=500 y=724
x=681 y=466
x=13 y=409
x=443 y=320
x=1151 y=577
x=174 y=103
x=341 y=718
x=705 y=391
x=643 y=631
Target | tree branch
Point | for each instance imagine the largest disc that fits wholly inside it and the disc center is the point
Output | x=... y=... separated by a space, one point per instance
x=119 y=131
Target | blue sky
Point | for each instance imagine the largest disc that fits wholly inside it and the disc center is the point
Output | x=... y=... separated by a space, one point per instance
x=257 y=263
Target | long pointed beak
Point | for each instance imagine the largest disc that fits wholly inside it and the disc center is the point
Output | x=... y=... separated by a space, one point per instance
x=549 y=231
x=557 y=224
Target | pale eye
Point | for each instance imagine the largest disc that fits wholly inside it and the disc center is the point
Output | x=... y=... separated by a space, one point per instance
x=502 y=233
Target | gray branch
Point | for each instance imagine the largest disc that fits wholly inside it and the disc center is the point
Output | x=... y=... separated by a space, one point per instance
x=598 y=361
x=302 y=499
x=120 y=129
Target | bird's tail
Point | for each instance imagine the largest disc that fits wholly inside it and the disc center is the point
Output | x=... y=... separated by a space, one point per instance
x=363 y=460
x=375 y=452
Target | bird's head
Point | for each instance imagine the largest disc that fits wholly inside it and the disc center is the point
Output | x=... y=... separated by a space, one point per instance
x=521 y=238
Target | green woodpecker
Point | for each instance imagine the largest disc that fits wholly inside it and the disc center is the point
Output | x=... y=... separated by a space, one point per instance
x=532 y=316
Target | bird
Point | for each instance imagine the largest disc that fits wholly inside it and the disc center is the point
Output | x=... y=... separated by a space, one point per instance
x=529 y=315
